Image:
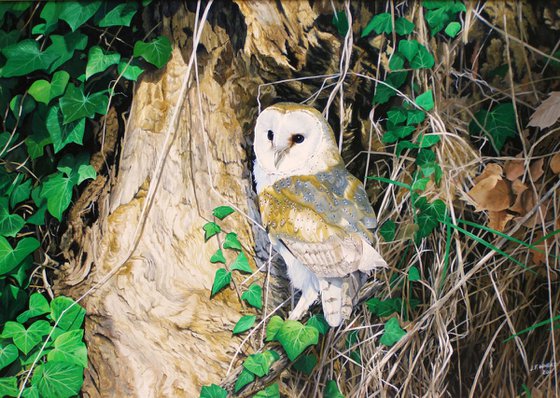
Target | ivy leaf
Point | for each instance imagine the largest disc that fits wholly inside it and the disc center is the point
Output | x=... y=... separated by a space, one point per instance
x=413 y=274
x=402 y=145
x=340 y=21
x=319 y=323
x=452 y=29
x=426 y=141
x=245 y=323
x=396 y=115
x=260 y=363
x=271 y=391
x=388 y=230
x=218 y=257
x=392 y=333
x=8 y=387
x=273 y=326
x=25 y=57
x=420 y=184
x=222 y=278
x=305 y=363
x=8 y=354
x=120 y=15
x=210 y=229
x=69 y=348
x=429 y=215
x=157 y=52
x=57 y=190
x=63 y=47
x=213 y=391
x=383 y=308
x=222 y=212
x=44 y=92
x=408 y=48
x=63 y=134
x=71 y=315
x=231 y=242
x=76 y=13
x=10 y=224
x=26 y=339
x=31 y=392
x=253 y=296
x=98 y=61
x=295 y=338
x=332 y=391
x=75 y=104
x=38 y=305
x=403 y=26
x=130 y=71
x=396 y=62
x=380 y=23
x=10 y=258
x=58 y=379
x=425 y=100
x=498 y=124
x=384 y=92
x=422 y=59
x=415 y=116
x=241 y=264
x=426 y=160
x=244 y=378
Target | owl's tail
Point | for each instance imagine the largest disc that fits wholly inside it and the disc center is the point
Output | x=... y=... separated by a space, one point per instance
x=339 y=296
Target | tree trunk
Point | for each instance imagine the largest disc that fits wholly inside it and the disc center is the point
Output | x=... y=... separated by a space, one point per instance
x=152 y=329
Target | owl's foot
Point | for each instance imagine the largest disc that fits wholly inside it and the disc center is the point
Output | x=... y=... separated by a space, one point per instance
x=306 y=300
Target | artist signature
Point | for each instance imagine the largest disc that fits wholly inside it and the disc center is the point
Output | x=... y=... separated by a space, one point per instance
x=545 y=368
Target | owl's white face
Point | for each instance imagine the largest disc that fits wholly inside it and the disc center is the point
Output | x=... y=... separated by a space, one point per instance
x=293 y=139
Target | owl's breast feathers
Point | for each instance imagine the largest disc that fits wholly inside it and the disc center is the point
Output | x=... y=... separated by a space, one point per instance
x=322 y=219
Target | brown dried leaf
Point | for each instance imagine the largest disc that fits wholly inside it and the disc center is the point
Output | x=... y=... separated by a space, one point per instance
x=498 y=220
x=555 y=163
x=492 y=169
x=514 y=169
x=491 y=193
x=536 y=169
x=518 y=187
x=547 y=113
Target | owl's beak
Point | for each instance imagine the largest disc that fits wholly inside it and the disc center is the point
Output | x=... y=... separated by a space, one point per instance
x=279 y=155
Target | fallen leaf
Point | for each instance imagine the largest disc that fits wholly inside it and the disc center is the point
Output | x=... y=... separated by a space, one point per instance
x=555 y=163
x=547 y=113
x=491 y=193
x=514 y=169
x=518 y=187
x=498 y=220
x=492 y=169
x=536 y=169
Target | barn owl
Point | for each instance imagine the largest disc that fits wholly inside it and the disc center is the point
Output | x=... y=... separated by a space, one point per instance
x=317 y=214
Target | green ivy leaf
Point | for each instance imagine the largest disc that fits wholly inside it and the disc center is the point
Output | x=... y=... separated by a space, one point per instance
x=340 y=21
x=72 y=318
x=396 y=115
x=44 y=92
x=383 y=308
x=429 y=215
x=218 y=257
x=426 y=141
x=403 y=26
x=38 y=305
x=98 y=61
x=422 y=59
x=25 y=57
x=332 y=391
x=120 y=15
x=295 y=338
x=8 y=387
x=10 y=258
x=231 y=242
x=260 y=363
x=388 y=230
x=31 y=392
x=8 y=354
x=420 y=184
x=415 y=116
x=272 y=327
x=241 y=263
x=413 y=274
x=305 y=363
x=210 y=229
x=497 y=124
x=384 y=92
x=57 y=190
x=213 y=391
x=63 y=47
x=392 y=333
x=319 y=323
x=58 y=379
x=76 y=13
x=222 y=278
x=271 y=391
x=157 y=52
x=69 y=348
x=253 y=296
x=396 y=62
x=408 y=48
x=222 y=212
x=26 y=339
x=244 y=378
x=22 y=106
x=380 y=23
x=130 y=71
x=425 y=100
x=10 y=224
x=402 y=145
x=75 y=104
x=63 y=134
x=452 y=29
x=245 y=323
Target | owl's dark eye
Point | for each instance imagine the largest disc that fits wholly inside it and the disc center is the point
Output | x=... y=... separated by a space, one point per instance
x=298 y=138
x=270 y=135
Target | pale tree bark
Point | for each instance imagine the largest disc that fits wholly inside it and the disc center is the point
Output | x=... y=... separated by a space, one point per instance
x=152 y=329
